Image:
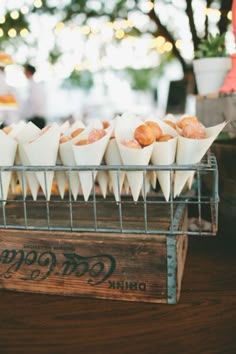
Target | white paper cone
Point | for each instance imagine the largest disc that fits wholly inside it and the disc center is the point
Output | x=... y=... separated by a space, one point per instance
x=112 y=157
x=102 y=179
x=164 y=154
x=152 y=178
x=191 y=151
x=126 y=185
x=67 y=158
x=124 y=130
x=43 y=151
x=8 y=145
x=30 y=132
x=90 y=154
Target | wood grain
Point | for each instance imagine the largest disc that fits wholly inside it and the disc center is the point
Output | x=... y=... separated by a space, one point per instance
x=204 y=321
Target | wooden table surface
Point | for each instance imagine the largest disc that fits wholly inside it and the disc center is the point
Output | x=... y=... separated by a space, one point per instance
x=204 y=321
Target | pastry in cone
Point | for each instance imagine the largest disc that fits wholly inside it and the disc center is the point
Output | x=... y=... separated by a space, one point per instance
x=43 y=151
x=170 y=120
x=66 y=156
x=102 y=180
x=132 y=154
x=164 y=154
x=28 y=178
x=90 y=152
x=8 y=145
x=112 y=157
x=191 y=151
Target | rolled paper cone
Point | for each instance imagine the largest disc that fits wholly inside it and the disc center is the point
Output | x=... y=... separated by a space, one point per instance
x=124 y=130
x=67 y=158
x=126 y=185
x=61 y=179
x=16 y=129
x=164 y=154
x=30 y=132
x=13 y=182
x=102 y=179
x=191 y=151
x=139 y=157
x=76 y=125
x=112 y=157
x=90 y=154
x=9 y=146
x=65 y=127
x=152 y=178
x=37 y=156
x=146 y=185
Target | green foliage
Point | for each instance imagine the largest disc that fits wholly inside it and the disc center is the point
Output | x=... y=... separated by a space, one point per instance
x=79 y=79
x=141 y=79
x=18 y=25
x=212 y=46
x=54 y=55
x=146 y=78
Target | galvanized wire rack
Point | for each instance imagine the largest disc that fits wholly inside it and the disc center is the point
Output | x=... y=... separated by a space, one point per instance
x=107 y=214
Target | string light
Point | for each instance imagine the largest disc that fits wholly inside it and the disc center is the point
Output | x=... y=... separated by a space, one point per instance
x=38 y=3
x=2 y=19
x=168 y=47
x=178 y=43
x=59 y=27
x=119 y=34
x=24 y=10
x=229 y=15
x=1 y=32
x=24 y=32
x=85 y=30
x=14 y=14
x=12 y=32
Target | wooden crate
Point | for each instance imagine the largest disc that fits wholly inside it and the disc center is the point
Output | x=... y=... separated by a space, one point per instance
x=217 y=108
x=133 y=267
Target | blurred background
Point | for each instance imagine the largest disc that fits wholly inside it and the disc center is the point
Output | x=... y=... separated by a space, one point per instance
x=99 y=58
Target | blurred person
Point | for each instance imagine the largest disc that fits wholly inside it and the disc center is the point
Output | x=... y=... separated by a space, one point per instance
x=34 y=107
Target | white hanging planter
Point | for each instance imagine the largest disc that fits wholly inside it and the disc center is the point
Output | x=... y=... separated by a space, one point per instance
x=210 y=73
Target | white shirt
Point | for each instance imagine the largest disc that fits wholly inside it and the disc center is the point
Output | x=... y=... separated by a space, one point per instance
x=35 y=103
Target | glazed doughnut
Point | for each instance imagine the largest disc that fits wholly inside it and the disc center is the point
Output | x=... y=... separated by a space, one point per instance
x=155 y=128
x=64 y=139
x=187 y=120
x=194 y=131
x=132 y=143
x=165 y=137
x=82 y=142
x=170 y=123
x=95 y=135
x=76 y=132
x=144 y=135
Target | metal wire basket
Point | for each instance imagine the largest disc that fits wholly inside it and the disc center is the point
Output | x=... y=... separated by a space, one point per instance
x=107 y=214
